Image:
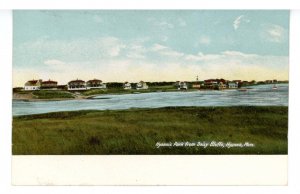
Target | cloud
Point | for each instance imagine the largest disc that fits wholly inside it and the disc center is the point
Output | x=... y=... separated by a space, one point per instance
x=274 y=33
x=165 y=25
x=239 y=20
x=204 y=40
x=165 y=51
x=111 y=59
x=79 y=49
x=161 y=23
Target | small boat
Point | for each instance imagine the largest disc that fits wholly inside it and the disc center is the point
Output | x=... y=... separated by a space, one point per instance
x=274 y=87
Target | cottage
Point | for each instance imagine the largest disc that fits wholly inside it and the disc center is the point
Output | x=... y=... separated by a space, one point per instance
x=233 y=85
x=95 y=84
x=142 y=86
x=222 y=86
x=77 y=85
x=183 y=86
x=33 y=85
x=196 y=85
x=210 y=83
x=127 y=86
x=50 y=85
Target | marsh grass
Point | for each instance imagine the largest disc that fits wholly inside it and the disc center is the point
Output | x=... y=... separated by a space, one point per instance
x=50 y=94
x=136 y=131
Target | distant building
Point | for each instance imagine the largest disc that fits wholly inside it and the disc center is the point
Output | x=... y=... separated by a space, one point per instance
x=51 y=85
x=196 y=85
x=77 y=85
x=95 y=84
x=32 y=85
x=183 y=86
x=210 y=83
x=142 y=86
x=233 y=85
x=127 y=86
x=221 y=86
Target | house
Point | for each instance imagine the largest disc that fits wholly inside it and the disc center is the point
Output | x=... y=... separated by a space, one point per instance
x=77 y=85
x=49 y=85
x=142 y=86
x=33 y=85
x=221 y=86
x=127 y=86
x=210 y=83
x=183 y=86
x=233 y=85
x=95 y=84
x=196 y=85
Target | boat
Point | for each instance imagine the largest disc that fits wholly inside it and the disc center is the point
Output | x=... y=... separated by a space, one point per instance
x=274 y=87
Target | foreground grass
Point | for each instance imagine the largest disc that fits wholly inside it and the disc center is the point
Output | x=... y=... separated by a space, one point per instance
x=136 y=131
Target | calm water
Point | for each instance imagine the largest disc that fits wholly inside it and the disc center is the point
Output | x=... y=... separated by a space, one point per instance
x=257 y=96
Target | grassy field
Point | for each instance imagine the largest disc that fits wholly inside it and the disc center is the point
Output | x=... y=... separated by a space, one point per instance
x=122 y=91
x=136 y=131
x=51 y=94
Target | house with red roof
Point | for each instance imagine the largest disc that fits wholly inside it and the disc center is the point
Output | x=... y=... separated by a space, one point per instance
x=77 y=85
x=49 y=85
x=95 y=84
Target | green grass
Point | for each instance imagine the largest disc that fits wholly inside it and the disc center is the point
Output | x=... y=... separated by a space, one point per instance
x=51 y=94
x=105 y=91
x=122 y=91
x=136 y=131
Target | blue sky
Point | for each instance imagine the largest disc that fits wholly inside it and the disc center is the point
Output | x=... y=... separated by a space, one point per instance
x=150 y=45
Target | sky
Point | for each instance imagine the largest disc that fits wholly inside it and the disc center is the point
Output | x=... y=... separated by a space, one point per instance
x=148 y=45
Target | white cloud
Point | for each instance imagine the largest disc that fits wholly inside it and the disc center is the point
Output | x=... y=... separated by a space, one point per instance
x=274 y=33
x=227 y=64
x=161 y=23
x=165 y=51
x=84 y=49
x=204 y=40
x=110 y=59
x=136 y=51
x=165 y=25
x=239 y=20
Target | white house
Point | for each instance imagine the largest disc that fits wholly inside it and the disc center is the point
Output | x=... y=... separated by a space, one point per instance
x=221 y=86
x=142 y=86
x=233 y=85
x=95 y=84
x=183 y=86
x=127 y=86
x=77 y=85
x=32 y=85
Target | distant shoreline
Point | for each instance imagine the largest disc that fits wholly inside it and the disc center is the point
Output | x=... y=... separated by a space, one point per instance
x=55 y=95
